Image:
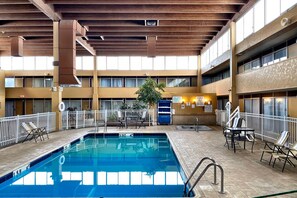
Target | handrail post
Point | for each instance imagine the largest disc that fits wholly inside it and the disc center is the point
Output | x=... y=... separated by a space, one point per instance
x=84 y=118
x=47 y=122
x=17 y=129
x=76 y=119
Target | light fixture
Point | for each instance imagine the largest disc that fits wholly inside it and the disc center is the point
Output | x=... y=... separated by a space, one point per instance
x=102 y=37
x=151 y=23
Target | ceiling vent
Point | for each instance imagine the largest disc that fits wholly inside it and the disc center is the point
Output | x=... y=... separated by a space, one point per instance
x=285 y=22
x=151 y=23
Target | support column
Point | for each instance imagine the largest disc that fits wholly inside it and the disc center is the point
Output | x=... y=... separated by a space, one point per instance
x=95 y=104
x=199 y=75
x=233 y=97
x=56 y=90
x=2 y=93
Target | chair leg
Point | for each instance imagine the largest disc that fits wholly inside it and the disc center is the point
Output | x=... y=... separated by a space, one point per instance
x=26 y=138
x=263 y=153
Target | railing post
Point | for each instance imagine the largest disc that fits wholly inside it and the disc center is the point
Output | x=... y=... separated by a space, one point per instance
x=37 y=119
x=262 y=126
x=47 y=121
x=17 y=129
x=76 y=119
x=84 y=118
x=105 y=120
x=67 y=119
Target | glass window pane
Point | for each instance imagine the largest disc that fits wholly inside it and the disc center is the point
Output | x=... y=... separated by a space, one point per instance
x=41 y=63
x=9 y=82
x=105 y=105
x=184 y=82
x=17 y=63
x=170 y=62
x=268 y=106
x=117 y=82
x=78 y=62
x=147 y=63
x=272 y=10
x=124 y=63
x=159 y=63
x=193 y=62
x=239 y=30
x=111 y=63
x=105 y=82
x=286 y=4
x=248 y=23
x=256 y=64
x=101 y=62
x=88 y=62
x=130 y=82
x=280 y=55
x=259 y=15
x=29 y=63
x=220 y=46
x=48 y=82
x=280 y=106
x=38 y=82
x=6 y=62
x=247 y=66
x=171 y=82
x=182 y=62
x=267 y=60
x=49 y=62
x=140 y=81
x=135 y=62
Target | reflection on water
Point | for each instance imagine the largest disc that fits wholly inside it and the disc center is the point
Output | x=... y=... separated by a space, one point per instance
x=113 y=166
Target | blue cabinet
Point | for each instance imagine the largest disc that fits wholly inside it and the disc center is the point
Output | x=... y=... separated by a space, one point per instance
x=164 y=112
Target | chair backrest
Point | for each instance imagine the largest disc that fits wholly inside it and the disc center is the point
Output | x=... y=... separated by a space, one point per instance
x=235 y=122
x=32 y=125
x=282 y=139
x=294 y=147
x=143 y=115
x=26 y=127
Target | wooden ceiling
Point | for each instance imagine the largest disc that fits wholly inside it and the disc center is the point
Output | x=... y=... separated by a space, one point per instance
x=184 y=26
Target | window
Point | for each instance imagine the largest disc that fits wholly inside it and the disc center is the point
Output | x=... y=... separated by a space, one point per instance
x=159 y=63
x=239 y=30
x=147 y=63
x=87 y=63
x=255 y=64
x=124 y=63
x=170 y=62
x=287 y=4
x=48 y=82
x=193 y=62
x=248 y=23
x=267 y=59
x=259 y=15
x=6 y=63
x=111 y=63
x=272 y=10
x=117 y=82
x=9 y=82
x=247 y=66
x=17 y=63
x=49 y=61
x=182 y=62
x=101 y=62
x=41 y=63
x=78 y=61
x=171 y=82
x=140 y=81
x=29 y=63
x=135 y=62
x=280 y=55
x=105 y=82
x=130 y=82
x=184 y=82
x=38 y=82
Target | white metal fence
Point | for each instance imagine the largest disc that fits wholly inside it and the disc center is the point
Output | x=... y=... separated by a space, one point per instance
x=266 y=127
x=12 y=132
x=82 y=119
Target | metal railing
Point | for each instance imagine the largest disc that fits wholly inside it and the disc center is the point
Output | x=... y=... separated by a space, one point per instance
x=12 y=132
x=267 y=127
x=82 y=119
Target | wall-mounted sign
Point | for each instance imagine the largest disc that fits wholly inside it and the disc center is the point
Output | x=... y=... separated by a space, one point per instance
x=200 y=101
x=177 y=99
x=208 y=108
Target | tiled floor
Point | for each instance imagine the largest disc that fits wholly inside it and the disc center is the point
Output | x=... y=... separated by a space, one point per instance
x=245 y=175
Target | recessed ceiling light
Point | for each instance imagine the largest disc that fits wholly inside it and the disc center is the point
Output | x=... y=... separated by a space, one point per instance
x=151 y=22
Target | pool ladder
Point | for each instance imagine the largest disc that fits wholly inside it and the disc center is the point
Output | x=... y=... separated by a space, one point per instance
x=215 y=165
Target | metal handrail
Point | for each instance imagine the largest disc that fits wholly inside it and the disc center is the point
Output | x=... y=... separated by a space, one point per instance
x=203 y=172
x=235 y=113
x=196 y=168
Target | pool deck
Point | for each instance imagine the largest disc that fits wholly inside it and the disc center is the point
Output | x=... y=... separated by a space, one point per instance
x=245 y=175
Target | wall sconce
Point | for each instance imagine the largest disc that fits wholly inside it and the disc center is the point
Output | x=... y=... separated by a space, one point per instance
x=183 y=105
x=207 y=102
x=188 y=104
x=193 y=104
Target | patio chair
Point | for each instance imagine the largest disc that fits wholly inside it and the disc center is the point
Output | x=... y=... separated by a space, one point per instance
x=141 y=120
x=41 y=130
x=275 y=147
x=227 y=133
x=290 y=154
x=248 y=136
x=34 y=133
x=120 y=119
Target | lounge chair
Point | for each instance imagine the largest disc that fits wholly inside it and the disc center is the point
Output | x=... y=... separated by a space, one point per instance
x=34 y=133
x=277 y=146
x=41 y=130
x=290 y=154
x=142 y=119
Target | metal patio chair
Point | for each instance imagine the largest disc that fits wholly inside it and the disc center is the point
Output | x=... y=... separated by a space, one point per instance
x=290 y=154
x=41 y=130
x=31 y=133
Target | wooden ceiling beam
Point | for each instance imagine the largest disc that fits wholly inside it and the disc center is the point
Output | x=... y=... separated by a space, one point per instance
x=145 y=16
x=26 y=29
x=5 y=2
x=168 y=34
x=26 y=23
x=26 y=8
x=148 y=2
x=85 y=45
x=22 y=16
x=191 y=23
x=155 y=29
x=39 y=34
x=46 y=9
x=146 y=8
x=126 y=23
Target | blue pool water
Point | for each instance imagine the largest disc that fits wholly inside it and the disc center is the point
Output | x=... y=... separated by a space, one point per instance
x=103 y=166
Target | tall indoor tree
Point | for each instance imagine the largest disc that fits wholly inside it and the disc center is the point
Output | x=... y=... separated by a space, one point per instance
x=150 y=92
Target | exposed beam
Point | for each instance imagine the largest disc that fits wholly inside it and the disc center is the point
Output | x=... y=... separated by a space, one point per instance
x=4 y=2
x=41 y=34
x=85 y=45
x=146 y=8
x=46 y=9
x=155 y=29
x=26 y=23
x=145 y=16
x=148 y=2
x=26 y=29
x=25 y=17
x=112 y=23
x=191 y=23
x=181 y=34
x=10 y=8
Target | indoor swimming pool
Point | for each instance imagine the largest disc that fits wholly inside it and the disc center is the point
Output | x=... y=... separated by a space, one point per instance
x=105 y=165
